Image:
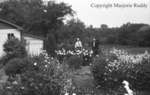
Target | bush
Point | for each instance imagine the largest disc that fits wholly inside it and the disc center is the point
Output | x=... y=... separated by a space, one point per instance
x=74 y=62
x=50 y=44
x=43 y=75
x=13 y=49
x=109 y=71
x=15 y=66
x=4 y=59
x=103 y=76
x=141 y=76
x=98 y=70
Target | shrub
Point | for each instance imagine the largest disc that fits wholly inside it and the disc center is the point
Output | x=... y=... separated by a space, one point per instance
x=110 y=70
x=13 y=49
x=50 y=44
x=98 y=69
x=43 y=75
x=141 y=76
x=74 y=62
x=103 y=76
x=4 y=59
x=15 y=66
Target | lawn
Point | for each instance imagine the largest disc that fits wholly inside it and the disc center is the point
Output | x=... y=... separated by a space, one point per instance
x=129 y=49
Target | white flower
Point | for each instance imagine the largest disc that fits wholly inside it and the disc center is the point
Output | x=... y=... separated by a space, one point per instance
x=15 y=82
x=45 y=61
x=35 y=64
x=66 y=93
x=8 y=87
x=107 y=59
x=74 y=94
x=126 y=86
x=46 y=66
x=22 y=87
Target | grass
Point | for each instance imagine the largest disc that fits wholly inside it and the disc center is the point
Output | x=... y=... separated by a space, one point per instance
x=129 y=49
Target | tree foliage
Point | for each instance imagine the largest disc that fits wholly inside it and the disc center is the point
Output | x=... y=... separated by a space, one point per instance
x=127 y=34
x=15 y=47
x=50 y=43
x=45 y=20
x=34 y=16
x=73 y=29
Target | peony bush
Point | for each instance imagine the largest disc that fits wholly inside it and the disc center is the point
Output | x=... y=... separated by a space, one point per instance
x=111 y=68
x=42 y=75
x=75 y=58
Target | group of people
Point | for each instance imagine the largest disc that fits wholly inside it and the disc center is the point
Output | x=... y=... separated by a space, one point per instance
x=95 y=45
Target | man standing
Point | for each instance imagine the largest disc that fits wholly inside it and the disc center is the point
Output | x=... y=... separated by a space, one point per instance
x=95 y=46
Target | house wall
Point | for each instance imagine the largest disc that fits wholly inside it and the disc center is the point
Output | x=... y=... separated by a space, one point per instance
x=34 y=46
x=4 y=36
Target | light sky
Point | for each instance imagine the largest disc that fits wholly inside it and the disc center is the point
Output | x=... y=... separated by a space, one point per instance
x=113 y=17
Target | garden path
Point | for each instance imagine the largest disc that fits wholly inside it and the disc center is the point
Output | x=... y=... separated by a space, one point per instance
x=83 y=78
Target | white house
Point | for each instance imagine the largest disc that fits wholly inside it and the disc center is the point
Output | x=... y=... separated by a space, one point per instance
x=7 y=29
x=34 y=44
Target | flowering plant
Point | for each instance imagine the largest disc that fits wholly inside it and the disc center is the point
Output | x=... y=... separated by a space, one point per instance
x=118 y=65
x=76 y=52
x=44 y=75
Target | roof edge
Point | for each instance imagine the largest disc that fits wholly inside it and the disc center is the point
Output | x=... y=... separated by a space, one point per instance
x=33 y=36
x=11 y=24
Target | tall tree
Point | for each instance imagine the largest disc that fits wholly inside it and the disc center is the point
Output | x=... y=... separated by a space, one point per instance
x=73 y=29
x=34 y=16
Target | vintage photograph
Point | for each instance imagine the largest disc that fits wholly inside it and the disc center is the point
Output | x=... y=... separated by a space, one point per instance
x=74 y=47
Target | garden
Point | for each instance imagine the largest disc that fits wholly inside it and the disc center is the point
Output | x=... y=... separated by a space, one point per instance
x=120 y=67
x=73 y=72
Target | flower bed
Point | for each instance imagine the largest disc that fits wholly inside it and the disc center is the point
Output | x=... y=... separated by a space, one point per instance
x=42 y=75
x=85 y=55
x=109 y=70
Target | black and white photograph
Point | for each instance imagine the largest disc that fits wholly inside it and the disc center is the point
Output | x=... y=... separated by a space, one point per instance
x=74 y=47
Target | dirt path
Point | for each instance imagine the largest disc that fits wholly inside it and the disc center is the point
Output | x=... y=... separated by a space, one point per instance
x=83 y=78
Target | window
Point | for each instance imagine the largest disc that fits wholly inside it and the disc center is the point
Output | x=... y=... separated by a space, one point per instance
x=11 y=36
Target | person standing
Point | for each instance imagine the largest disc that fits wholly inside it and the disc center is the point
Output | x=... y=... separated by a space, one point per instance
x=95 y=46
x=78 y=44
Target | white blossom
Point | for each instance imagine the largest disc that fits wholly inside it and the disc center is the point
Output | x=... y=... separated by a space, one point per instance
x=126 y=86
x=35 y=64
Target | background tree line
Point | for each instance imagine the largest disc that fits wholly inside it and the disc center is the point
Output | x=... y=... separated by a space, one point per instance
x=133 y=34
